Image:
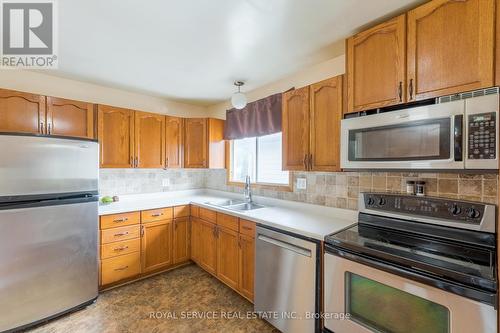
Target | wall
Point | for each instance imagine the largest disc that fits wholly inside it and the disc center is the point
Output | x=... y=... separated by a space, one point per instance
x=307 y=76
x=41 y=83
x=134 y=181
x=341 y=189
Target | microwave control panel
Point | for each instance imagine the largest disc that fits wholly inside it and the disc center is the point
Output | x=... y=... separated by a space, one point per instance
x=482 y=136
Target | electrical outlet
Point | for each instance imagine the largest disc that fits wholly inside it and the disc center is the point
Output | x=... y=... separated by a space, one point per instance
x=165 y=182
x=301 y=184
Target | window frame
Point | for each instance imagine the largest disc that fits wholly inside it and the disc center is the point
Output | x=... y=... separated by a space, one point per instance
x=269 y=186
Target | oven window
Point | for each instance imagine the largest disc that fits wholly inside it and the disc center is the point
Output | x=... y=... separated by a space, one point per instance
x=417 y=140
x=386 y=309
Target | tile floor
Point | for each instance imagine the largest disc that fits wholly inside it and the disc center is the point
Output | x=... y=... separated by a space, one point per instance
x=150 y=305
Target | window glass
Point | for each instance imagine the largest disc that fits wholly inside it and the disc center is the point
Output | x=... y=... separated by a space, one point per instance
x=260 y=158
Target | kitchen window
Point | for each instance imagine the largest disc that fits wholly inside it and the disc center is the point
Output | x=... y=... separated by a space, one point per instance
x=260 y=158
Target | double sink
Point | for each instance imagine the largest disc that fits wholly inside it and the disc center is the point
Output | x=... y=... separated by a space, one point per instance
x=236 y=205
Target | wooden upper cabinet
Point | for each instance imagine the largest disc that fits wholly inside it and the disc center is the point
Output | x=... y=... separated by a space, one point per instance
x=22 y=112
x=325 y=116
x=216 y=144
x=70 y=118
x=149 y=140
x=450 y=47
x=295 y=127
x=195 y=143
x=174 y=136
x=497 y=43
x=376 y=66
x=116 y=137
x=204 y=145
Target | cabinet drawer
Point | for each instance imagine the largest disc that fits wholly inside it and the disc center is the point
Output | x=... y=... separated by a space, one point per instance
x=120 y=234
x=247 y=228
x=181 y=211
x=195 y=211
x=120 y=248
x=154 y=215
x=208 y=215
x=120 y=220
x=228 y=221
x=120 y=268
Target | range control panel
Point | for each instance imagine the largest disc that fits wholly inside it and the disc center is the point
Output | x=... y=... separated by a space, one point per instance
x=426 y=207
x=482 y=136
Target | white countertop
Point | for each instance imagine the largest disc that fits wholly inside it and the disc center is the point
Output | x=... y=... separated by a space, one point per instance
x=308 y=220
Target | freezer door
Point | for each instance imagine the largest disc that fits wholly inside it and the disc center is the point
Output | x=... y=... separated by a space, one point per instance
x=34 y=165
x=48 y=259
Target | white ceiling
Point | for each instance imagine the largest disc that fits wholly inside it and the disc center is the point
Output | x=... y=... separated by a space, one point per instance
x=193 y=50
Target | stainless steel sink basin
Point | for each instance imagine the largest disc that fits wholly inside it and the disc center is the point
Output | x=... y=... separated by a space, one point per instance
x=245 y=206
x=238 y=205
x=225 y=203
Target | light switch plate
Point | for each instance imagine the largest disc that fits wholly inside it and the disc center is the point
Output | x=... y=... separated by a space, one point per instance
x=301 y=183
x=165 y=182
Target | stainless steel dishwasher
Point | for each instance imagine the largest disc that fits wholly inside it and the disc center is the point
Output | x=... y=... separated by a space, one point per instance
x=286 y=281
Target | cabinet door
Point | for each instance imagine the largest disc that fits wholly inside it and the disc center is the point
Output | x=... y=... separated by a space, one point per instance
x=326 y=113
x=70 y=118
x=208 y=247
x=173 y=138
x=181 y=240
x=295 y=126
x=216 y=144
x=156 y=245
x=227 y=256
x=116 y=137
x=450 y=47
x=21 y=112
x=497 y=43
x=246 y=266
x=149 y=140
x=196 y=240
x=195 y=143
x=376 y=66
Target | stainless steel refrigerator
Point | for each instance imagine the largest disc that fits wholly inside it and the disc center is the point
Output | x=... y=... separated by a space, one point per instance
x=48 y=227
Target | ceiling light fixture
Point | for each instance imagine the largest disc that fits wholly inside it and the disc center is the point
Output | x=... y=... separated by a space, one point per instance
x=239 y=100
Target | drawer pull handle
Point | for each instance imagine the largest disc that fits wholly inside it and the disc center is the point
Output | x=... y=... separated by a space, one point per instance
x=121 y=268
x=247 y=228
x=121 y=234
x=121 y=220
x=156 y=215
x=121 y=248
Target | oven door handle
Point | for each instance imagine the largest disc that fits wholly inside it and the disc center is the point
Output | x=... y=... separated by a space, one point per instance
x=458 y=138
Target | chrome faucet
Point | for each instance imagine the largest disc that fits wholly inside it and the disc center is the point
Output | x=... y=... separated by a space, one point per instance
x=247 y=191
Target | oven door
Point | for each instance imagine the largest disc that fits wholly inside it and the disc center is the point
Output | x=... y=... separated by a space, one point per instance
x=360 y=298
x=426 y=137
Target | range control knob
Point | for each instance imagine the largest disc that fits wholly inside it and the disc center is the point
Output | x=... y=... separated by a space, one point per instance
x=382 y=201
x=473 y=213
x=455 y=209
x=370 y=201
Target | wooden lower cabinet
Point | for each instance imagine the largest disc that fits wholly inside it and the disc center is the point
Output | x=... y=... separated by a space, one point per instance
x=208 y=250
x=156 y=245
x=246 y=266
x=181 y=240
x=227 y=256
x=196 y=239
x=120 y=268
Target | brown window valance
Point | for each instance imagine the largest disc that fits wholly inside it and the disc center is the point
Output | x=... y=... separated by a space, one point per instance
x=258 y=118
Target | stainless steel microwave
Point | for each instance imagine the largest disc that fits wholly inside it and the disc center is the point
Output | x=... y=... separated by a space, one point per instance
x=459 y=134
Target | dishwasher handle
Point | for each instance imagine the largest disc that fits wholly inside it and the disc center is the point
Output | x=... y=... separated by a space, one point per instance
x=285 y=245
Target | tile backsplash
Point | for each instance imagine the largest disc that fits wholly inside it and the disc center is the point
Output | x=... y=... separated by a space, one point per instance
x=341 y=189
x=134 y=181
x=338 y=189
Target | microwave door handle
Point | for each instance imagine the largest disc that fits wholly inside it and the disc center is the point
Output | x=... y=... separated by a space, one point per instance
x=458 y=138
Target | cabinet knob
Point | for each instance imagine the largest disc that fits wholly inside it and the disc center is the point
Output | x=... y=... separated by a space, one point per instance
x=400 y=91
